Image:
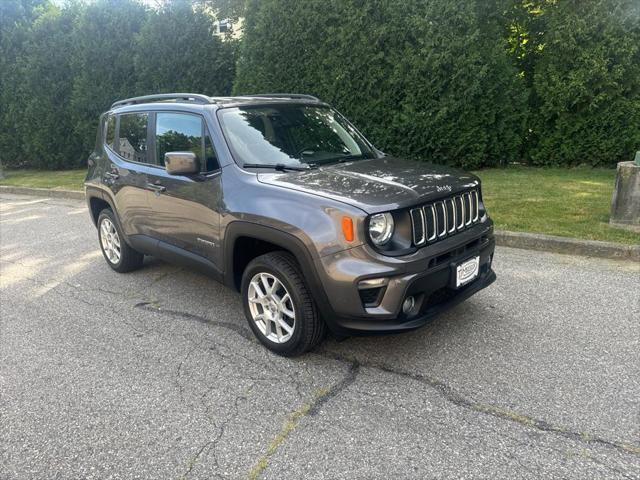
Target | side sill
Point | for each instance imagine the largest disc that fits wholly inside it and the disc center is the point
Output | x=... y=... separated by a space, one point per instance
x=172 y=254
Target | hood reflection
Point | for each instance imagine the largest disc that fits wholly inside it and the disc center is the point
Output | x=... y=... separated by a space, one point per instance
x=376 y=184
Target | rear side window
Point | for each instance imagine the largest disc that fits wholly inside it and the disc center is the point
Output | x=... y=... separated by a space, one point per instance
x=111 y=131
x=182 y=132
x=132 y=137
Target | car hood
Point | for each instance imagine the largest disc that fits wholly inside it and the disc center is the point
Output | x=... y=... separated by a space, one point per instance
x=376 y=185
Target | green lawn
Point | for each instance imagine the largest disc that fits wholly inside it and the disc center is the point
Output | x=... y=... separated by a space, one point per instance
x=63 y=180
x=565 y=202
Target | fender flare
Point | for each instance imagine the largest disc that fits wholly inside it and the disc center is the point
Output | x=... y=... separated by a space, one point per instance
x=95 y=192
x=288 y=242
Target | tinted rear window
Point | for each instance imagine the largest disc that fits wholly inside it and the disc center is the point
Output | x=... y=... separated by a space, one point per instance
x=132 y=137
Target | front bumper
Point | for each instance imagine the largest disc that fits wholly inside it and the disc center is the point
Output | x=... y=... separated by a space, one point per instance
x=426 y=275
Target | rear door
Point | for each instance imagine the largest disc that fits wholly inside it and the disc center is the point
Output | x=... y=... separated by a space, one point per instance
x=125 y=174
x=186 y=208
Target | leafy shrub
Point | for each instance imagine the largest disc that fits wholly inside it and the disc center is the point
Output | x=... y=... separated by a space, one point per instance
x=177 y=51
x=45 y=121
x=587 y=84
x=104 y=36
x=473 y=83
x=61 y=67
x=430 y=80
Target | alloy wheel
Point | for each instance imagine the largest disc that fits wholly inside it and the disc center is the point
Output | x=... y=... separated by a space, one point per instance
x=110 y=241
x=271 y=307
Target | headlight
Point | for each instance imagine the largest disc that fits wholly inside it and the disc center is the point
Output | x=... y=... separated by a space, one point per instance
x=380 y=228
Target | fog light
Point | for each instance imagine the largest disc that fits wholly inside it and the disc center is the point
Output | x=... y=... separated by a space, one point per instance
x=408 y=304
x=373 y=282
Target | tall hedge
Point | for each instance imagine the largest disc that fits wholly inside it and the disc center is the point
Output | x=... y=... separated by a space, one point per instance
x=16 y=18
x=586 y=84
x=45 y=121
x=177 y=51
x=61 y=66
x=105 y=47
x=471 y=83
x=430 y=80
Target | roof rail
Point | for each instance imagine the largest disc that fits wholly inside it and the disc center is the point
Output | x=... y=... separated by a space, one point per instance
x=164 y=97
x=301 y=96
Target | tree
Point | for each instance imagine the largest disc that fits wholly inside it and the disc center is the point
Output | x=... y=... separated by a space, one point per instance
x=177 y=50
x=426 y=80
x=45 y=120
x=16 y=17
x=104 y=36
x=226 y=9
x=587 y=84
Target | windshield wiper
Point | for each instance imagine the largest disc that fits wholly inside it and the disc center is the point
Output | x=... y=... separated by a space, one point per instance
x=281 y=167
x=345 y=158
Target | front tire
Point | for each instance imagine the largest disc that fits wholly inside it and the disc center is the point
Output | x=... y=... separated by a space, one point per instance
x=278 y=306
x=118 y=254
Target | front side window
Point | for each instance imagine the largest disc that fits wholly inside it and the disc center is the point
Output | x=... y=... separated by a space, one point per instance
x=291 y=135
x=132 y=137
x=110 y=136
x=178 y=132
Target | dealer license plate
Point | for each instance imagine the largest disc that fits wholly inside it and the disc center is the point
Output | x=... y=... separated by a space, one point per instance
x=467 y=271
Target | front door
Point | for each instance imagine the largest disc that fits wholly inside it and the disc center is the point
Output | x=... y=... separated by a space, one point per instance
x=185 y=208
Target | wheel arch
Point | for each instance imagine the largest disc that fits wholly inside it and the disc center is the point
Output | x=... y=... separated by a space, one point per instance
x=239 y=235
x=98 y=200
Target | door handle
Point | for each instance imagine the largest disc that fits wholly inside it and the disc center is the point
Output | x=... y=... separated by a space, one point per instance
x=156 y=187
x=111 y=175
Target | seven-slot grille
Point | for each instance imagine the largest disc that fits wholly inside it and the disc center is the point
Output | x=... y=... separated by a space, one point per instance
x=445 y=217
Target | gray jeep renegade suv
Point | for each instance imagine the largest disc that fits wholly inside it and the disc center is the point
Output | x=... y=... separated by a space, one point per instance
x=280 y=197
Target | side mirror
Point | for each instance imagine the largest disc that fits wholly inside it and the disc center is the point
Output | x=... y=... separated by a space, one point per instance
x=181 y=163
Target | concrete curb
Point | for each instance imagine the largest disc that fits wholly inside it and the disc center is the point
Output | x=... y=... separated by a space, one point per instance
x=572 y=246
x=528 y=241
x=42 y=192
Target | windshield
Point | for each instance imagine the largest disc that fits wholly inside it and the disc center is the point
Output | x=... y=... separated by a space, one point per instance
x=291 y=135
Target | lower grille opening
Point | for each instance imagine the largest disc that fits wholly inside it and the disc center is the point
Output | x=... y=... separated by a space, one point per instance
x=444 y=294
x=371 y=297
x=441 y=296
x=439 y=260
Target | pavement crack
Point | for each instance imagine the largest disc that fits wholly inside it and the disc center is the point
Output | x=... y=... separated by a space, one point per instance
x=337 y=388
x=212 y=444
x=179 y=369
x=310 y=409
x=458 y=399
x=194 y=460
x=447 y=392
x=147 y=306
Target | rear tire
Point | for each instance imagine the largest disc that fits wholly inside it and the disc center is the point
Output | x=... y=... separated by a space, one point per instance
x=118 y=254
x=279 y=308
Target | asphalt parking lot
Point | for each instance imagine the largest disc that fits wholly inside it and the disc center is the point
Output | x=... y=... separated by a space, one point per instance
x=155 y=374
